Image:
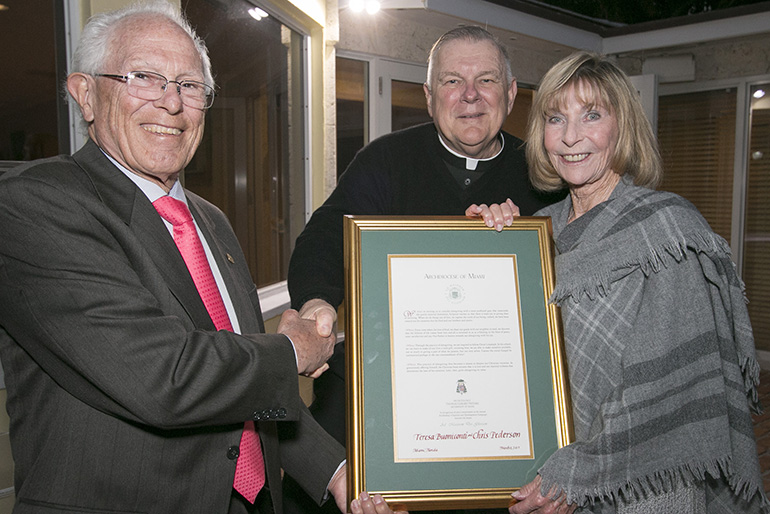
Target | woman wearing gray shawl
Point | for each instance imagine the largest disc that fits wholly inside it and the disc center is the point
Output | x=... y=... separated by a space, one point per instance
x=660 y=352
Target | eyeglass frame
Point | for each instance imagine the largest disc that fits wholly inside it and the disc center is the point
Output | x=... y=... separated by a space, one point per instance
x=209 y=98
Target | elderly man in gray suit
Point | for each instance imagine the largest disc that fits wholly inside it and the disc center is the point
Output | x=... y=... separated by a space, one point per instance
x=139 y=376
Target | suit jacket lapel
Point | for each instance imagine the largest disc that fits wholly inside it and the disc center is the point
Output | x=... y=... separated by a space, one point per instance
x=128 y=202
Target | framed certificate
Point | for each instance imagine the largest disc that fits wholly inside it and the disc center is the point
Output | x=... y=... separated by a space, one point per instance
x=457 y=388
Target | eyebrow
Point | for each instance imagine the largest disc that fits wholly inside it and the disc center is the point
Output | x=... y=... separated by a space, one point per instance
x=445 y=74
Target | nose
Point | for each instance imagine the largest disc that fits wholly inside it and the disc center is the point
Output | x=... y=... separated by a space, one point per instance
x=470 y=93
x=571 y=134
x=172 y=97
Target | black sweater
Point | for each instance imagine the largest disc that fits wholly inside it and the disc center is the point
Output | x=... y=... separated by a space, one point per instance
x=402 y=173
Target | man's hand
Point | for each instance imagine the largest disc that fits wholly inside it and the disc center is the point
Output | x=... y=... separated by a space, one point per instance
x=312 y=350
x=530 y=501
x=324 y=315
x=495 y=215
x=364 y=504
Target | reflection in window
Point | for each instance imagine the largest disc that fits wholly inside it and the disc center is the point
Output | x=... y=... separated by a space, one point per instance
x=251 y=162
x=756 y=250
x=28 y=105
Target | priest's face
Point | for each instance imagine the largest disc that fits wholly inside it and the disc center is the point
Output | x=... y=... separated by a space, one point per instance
x=469 y=96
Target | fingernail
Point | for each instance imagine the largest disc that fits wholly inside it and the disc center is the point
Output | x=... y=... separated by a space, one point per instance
x=517 y=495
x=378 y=499
x=490 y=223
x=364 y=496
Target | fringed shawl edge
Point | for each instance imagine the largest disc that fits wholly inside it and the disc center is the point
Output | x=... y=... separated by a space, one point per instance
x=650 y=259
x=661 y=481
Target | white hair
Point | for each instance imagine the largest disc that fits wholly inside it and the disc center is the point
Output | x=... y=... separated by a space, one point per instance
x=474 y=34
x=94 y=45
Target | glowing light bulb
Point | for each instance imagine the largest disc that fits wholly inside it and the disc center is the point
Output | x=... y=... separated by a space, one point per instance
x=759 y=93
x=357 y=5
x=257 y=13
x=372 y=6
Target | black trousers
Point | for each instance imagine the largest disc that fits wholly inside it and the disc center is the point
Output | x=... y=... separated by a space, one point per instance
x=328 y=408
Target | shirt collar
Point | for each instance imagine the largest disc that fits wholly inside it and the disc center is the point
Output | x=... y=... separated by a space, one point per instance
x=150 y=189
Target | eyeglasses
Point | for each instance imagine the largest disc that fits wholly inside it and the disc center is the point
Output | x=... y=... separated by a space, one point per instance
x=147 y=85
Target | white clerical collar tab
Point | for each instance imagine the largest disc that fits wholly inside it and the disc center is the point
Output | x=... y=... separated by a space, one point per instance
x=471 y=163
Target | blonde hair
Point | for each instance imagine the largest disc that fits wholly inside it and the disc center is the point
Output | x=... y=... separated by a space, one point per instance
x=636 y=152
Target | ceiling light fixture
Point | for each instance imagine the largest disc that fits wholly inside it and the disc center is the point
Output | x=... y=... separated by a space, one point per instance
x=257 y=13
x=370 y=6
x=759 y=93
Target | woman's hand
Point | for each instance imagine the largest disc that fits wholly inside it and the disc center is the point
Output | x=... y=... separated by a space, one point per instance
x=366 y=504
x=529 y=500
x=495 y=215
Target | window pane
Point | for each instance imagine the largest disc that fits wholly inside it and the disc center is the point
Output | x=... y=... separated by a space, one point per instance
x=756 y=255
x=516 y=122
x=408 y=107
x=697 y=141
x=28 y=105
x=352 y=107
x=251 y=162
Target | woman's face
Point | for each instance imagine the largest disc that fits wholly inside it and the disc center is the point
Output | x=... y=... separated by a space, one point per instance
x=580 y=138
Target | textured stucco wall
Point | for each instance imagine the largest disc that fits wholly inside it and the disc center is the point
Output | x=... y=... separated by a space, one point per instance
x=717 y=60
x=409 y=35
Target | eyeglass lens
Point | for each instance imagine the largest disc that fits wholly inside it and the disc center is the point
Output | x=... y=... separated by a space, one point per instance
x=151 y=86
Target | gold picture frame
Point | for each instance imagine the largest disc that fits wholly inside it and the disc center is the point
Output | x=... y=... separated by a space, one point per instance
x=429 y=302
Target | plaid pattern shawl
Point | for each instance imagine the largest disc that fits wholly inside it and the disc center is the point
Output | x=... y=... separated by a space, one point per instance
x=660 y=354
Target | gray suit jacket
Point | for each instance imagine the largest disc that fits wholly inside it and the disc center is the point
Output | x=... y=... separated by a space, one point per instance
x=121 y=394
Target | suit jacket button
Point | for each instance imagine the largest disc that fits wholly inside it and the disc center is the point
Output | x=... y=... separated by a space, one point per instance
x=233 y=452
x=257 y=416
x=265 y=414
x=281 y=413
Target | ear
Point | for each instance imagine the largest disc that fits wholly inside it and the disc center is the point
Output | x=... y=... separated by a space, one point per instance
x=512 y=90
x=428 y=98
x=79 y=86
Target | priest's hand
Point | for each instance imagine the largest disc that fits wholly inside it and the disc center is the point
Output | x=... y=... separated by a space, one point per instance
x=495 y=215
x=325 y=317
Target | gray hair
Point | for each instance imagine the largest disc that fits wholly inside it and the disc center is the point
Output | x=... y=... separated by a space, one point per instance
x=473 y=34
x=94 y=45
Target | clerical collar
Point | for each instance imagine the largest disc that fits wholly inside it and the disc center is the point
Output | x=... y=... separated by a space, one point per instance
x=470 y=163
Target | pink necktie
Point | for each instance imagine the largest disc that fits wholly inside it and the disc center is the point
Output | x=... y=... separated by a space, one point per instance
x=250 y=469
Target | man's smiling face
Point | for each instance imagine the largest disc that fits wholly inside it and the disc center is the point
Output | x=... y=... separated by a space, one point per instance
x=469 y=98
x=154 y=139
